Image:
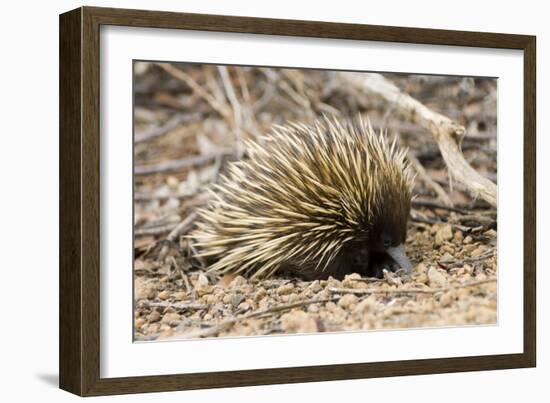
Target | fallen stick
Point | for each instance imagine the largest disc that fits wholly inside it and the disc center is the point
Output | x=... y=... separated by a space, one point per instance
x=172 y=124
x=176 y=165
x=446 y=132
x=450 y=264
x=216 y=329
x=434 y=205
x=436 y=187
x=356 y=291
x=178 y=306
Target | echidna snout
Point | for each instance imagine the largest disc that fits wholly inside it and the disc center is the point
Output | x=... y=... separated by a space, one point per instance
x=330 y=198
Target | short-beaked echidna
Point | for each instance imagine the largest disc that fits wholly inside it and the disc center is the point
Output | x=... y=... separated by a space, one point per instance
x=330 y=198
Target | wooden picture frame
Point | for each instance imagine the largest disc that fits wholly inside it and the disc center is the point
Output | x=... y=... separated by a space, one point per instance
x=79 y=346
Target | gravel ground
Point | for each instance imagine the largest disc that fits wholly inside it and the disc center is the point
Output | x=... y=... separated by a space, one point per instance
x=454 y=284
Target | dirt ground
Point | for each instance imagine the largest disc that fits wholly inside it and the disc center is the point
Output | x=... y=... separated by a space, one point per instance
x=189 y=121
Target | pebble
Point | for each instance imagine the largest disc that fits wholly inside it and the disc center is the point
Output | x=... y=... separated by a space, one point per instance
x=170 y=317
x=421 y=278
x=367 y=305
x=260 y=293
x=350 y=281
x=313 y=308
x=244 y=306
x=445 y=233
x=153 y=317
x=285 y=289
x=458 y=237
x=164 y=295
x=180 y=295
x=479 y=251
x=298 y=322
x=348 y=301
x=436 y=278
x=421 y=268
x=446 y=299
x=238 y=281
x=292 y=298
x=315 y=286
x=236 y=299
x=490 y=234
x=468 y=240
x=202 y=281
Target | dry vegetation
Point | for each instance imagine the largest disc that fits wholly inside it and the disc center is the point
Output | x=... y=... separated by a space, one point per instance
x=190 y=120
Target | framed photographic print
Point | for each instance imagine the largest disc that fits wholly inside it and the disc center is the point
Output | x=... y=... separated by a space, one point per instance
x=250 y=201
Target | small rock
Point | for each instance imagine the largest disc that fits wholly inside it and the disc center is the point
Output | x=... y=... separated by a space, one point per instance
x=298 y=322
x=490 y=234
x=350 y=280
x=315 y=286
x=285 y=289
x=153 y=317
x=244 y=306
x=172 y=181
x=313 y=308
x=164 y=295
x=238 y=281
x=202 y=281
x=206 y=289
x=421 y=268
x=421 y=278
x=446 y=257
x=468 y=240
x=446 y=299
x=260 y=293
x=367 y=305
x=292 y=298
x=478 y=252
x=458 y=237
x=139 y=323
x=348 y=301
x=170 y=318
x=392 y=279
x=445 y=233
x=180 y=295
x=237 y=299
x=436 y=278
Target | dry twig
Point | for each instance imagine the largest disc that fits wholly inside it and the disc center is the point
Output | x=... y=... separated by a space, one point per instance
x=359 y=291
x=176 y=165
x=216 y=329
x=158 y=131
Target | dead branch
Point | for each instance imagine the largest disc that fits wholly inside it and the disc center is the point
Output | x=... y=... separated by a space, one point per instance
x=197 y=89
x=176 y=165
x=182 y=227
x=161 y=229
x=434 y=205
x=449 y=264
x=173 y=123
x=178 y=306
x=436 y=187
x=446 y=132
x=216 y=329
x=359 y=291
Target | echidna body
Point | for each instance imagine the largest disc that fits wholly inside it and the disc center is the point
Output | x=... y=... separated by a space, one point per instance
x=329 y=198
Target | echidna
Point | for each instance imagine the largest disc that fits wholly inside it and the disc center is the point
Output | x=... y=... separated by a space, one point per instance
x=330 y=198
